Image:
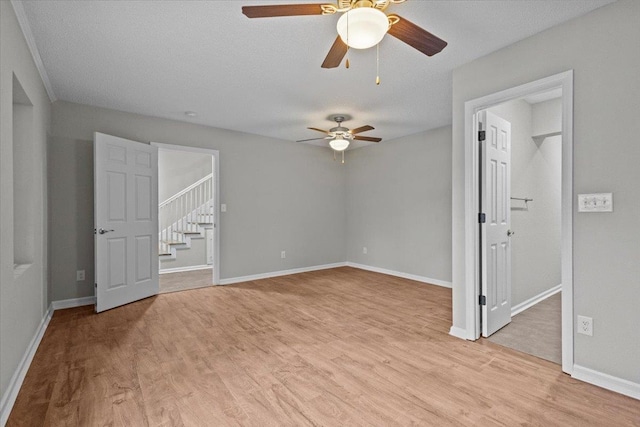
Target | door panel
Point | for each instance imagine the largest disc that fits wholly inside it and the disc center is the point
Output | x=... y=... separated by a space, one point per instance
x=495 y=203
x=126 y=221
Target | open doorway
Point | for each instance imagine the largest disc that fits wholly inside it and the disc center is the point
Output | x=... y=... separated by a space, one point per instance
x=187 y=216
x=532 y=224
x=475 y=265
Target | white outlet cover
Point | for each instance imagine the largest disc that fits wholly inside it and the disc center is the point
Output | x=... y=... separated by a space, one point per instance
x=223 y=207
x=597 y=202
x=585 y=325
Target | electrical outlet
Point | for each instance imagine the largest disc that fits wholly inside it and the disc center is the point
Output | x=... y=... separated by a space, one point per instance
x=364 y=250
x=80 y=275
x=585 y=325
x=283 y=254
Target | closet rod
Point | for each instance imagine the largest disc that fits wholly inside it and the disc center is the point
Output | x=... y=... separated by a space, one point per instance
x=526 y=199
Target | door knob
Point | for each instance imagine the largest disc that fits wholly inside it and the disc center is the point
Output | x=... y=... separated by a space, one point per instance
x=103 y=231
x=510 y=233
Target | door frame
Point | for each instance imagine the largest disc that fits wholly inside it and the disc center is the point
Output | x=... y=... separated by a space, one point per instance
x=215 y=154
x=563 y=81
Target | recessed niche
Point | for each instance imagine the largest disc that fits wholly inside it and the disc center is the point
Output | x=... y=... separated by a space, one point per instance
x=24 y=197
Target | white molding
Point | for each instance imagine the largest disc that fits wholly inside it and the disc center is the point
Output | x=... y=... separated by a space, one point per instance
x=517 y=309
x=618 y=385
x=460 y=333
x=409 y=276
x=281 y=273
x=10 y=395
x=33 y=48
x=470 y=277
x=185 y=269
x=73 y=302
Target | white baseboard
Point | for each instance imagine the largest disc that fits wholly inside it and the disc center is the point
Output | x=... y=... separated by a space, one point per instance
x=232 y=280
x=619 y=385
x=516 y=309
x=184 y=269
x=10 y=395
x=400 y=274
x=459 y=333
x=73 y=302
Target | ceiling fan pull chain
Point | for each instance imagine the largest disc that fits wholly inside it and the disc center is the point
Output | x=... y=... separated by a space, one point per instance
x=343 y=157
x=378 y=64
x=334 y=155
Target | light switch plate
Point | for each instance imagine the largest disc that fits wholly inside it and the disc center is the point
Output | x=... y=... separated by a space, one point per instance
x=600 y=202
x=223 y=207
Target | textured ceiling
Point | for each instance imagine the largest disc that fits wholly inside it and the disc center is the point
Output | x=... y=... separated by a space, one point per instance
x=263 y=76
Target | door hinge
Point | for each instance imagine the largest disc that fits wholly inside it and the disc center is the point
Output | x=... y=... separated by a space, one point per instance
x=482 y=300
x=482 y=135
x=482 y=218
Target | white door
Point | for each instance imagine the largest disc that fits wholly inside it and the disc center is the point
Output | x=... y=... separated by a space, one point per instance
x=496 y=205
x=126 y=220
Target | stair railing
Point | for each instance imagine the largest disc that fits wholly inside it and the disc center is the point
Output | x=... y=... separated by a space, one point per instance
x=181 y=212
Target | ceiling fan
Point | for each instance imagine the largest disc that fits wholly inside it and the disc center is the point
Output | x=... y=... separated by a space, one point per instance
x=340 y=137
x=362 y=25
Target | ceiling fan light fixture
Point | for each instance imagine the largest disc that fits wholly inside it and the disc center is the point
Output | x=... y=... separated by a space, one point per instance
x=339 y=144
x=363 y=27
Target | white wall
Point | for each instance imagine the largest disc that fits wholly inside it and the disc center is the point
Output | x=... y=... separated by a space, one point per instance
x=602 y=49
x=535 y=173
x=23 y=299
x=179 y=169
x=280 y=195
x=399 y=205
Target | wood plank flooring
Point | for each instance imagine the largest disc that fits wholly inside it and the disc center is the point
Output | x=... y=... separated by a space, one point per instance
x=341 y=347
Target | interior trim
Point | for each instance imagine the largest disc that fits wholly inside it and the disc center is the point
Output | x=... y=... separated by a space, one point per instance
x=21 y=15
x=10 y=395
x=517 y=309
x=415 y=277
x=607 y=381
x=471 y=281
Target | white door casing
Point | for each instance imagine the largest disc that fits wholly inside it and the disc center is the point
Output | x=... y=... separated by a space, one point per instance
x=495 y=179
x=126 y=221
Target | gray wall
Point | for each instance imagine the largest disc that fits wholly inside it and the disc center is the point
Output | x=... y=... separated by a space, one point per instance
x=279 y=195
x=23 y=297
x=399 y=205
x=179 y=169
x=535 y=173
x=602 y=49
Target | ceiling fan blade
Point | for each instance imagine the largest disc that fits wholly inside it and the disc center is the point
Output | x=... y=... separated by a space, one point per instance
x=336 y=53
x=269 y=11
x=320 y=130
x=361 y=129
x=367 y=138
x=417 y=37
x=312 y=139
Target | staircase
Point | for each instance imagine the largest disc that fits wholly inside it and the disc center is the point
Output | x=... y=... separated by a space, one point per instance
x=184 y=217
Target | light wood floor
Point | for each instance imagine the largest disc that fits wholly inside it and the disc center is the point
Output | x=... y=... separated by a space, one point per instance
x=334 y=347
